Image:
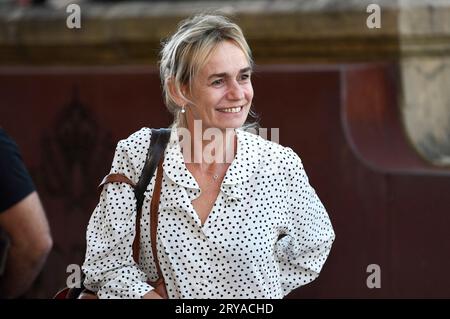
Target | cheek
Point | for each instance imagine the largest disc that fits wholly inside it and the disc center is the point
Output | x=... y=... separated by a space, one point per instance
x=215 y=98
x=208 y=99
x=249 y=92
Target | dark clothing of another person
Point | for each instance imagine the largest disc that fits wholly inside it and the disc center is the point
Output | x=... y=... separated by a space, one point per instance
x=15 y=182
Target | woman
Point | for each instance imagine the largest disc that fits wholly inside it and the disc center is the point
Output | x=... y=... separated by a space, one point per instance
x=237 y=216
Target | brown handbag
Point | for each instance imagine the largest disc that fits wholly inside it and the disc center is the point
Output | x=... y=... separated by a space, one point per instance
x=158 y=143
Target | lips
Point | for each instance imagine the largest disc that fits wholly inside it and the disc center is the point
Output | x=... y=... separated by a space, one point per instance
x=233 y=109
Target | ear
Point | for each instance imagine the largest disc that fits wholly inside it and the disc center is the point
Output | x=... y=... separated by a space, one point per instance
x=176 y=96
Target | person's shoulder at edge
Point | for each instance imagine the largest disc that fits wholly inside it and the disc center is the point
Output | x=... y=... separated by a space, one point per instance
x=130 y=154
x=270 y=152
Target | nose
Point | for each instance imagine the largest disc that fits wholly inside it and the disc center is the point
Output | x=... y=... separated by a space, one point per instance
x=235 y=91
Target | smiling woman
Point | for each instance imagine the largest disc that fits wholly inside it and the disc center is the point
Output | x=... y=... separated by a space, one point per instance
x=221 y=93
x=207 y=62
x=246 y=225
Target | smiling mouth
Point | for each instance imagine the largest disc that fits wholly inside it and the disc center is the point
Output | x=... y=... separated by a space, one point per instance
x=236 y=109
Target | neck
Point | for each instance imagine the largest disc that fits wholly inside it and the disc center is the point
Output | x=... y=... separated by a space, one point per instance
x=208 y=146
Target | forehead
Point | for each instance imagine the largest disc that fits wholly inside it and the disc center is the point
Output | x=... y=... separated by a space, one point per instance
x=226 y=57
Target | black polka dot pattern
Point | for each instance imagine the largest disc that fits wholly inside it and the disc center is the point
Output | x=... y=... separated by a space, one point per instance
x=237 y=253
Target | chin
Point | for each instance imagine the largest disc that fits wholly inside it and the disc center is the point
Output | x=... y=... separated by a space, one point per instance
x=231 y=124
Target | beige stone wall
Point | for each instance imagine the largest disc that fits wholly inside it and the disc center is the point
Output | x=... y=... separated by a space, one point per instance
x=424 y=33
x=130 y=33
x=426 y=106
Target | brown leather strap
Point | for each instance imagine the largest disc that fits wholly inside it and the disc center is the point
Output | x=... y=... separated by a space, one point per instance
x=116 y=178
x=154 y=215
x=120 y=178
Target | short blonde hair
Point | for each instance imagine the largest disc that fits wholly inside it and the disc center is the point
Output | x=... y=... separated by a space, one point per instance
x=187 y=51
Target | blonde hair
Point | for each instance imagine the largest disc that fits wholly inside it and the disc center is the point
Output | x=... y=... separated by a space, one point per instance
x=187 y=51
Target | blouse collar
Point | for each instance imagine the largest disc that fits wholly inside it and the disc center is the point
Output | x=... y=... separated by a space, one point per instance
x=243 y=166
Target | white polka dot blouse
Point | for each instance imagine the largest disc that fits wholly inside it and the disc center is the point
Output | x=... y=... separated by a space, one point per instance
x=239 y=251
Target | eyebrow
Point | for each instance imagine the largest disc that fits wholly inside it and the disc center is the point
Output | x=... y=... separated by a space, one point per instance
x=219 y=75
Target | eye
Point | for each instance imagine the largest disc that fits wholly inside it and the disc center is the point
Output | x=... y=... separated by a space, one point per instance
x=217 y=82
x=245 y=76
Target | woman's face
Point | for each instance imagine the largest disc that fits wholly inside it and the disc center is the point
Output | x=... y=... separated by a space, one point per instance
x=222 y=90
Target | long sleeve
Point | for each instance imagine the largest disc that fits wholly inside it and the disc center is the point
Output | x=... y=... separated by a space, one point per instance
x=309 y=233
x=109 y=266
